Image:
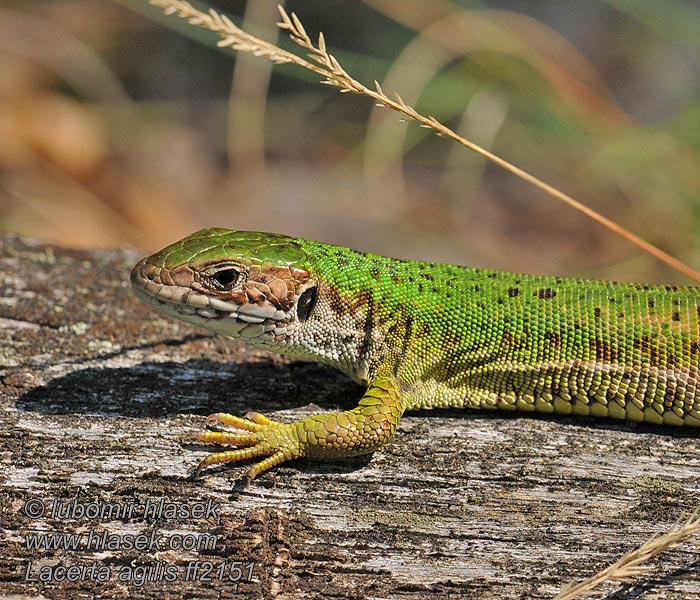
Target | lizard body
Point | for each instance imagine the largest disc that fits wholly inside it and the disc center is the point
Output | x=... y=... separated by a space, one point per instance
x=424 y=335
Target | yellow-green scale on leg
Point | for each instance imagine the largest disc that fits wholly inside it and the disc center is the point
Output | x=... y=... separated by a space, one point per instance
x=331 y=435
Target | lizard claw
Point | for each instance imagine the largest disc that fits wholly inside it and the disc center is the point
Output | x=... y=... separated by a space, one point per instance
x=258 y=436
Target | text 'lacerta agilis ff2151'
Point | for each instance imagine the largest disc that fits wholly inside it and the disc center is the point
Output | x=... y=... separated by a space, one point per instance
x=424 y=335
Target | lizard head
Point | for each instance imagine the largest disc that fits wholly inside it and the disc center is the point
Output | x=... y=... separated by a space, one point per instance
x=256 y=286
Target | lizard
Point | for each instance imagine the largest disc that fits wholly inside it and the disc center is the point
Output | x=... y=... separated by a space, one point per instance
x=423 y=335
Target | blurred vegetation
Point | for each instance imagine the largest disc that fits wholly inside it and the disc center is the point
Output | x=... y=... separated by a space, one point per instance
x=121 y=126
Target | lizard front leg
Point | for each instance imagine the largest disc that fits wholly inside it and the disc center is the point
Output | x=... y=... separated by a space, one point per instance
x=326 y=436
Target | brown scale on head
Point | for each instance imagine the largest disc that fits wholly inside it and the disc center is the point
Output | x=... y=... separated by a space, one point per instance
x=274 y=284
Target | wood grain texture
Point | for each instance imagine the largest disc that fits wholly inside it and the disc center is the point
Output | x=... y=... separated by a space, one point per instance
x=95 y=391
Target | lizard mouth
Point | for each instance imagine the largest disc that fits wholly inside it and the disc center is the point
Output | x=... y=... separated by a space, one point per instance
x=188 y=304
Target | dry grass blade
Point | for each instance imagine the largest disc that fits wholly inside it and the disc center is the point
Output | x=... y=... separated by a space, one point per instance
x=231 y=35
x=334 y=74
x=632 y=564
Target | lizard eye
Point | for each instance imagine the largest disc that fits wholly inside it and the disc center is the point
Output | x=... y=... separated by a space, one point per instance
x=225 y=279
x=306 y=303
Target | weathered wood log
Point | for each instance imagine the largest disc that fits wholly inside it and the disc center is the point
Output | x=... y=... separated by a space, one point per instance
x=96 y=390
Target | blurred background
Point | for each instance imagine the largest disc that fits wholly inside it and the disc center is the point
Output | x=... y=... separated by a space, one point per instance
x=120 y=126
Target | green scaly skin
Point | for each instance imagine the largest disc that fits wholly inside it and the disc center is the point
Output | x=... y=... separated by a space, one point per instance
x=423 y=335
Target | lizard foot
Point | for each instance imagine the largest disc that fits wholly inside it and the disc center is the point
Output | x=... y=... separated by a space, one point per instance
x=325 y=436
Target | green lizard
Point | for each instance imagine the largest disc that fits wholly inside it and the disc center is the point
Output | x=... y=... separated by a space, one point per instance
x=425 y=335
